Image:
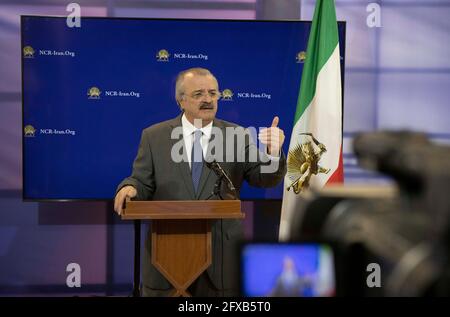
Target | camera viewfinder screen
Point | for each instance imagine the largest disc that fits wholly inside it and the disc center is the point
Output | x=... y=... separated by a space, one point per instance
x=288 y=270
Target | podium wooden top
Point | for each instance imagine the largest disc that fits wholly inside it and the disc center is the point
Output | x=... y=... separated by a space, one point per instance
x=182 y=209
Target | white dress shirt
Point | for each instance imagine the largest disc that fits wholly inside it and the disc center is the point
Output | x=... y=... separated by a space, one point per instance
x=188 y=136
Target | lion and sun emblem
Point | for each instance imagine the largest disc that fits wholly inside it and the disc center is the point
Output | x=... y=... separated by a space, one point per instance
x=163 y=56
x=303 y=163
x=94 y=93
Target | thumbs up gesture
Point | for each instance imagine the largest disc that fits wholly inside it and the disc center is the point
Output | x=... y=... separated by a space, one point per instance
x=272 y=137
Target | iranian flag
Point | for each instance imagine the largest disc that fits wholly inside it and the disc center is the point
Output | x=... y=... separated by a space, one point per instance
x=319 y=108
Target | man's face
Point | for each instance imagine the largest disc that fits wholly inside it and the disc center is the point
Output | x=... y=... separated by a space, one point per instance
x=200 y=97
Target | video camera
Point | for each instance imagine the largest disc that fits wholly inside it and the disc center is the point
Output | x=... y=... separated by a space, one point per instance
x=383 y=240
x=400 y=234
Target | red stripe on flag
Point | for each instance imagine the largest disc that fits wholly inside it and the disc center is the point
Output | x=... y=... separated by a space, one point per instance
x=338 y=175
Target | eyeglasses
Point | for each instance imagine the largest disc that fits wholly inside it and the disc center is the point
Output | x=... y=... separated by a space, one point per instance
x=213 y=94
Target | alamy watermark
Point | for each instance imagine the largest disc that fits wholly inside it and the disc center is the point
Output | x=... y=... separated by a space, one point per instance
x=74 y=18
x=235 y=144
x=374 y=276
x=74 y=277
x=374 y=17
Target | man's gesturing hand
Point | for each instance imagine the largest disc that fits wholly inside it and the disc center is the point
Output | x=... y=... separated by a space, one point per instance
x=273 y=137
x=127 y=191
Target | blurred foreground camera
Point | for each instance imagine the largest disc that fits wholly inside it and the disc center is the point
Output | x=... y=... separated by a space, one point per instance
x=391 y=240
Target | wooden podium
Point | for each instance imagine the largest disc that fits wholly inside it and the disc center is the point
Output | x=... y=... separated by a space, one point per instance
x=181 y=235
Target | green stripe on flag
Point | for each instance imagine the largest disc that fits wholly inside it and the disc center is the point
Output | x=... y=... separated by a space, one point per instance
x=323 y=39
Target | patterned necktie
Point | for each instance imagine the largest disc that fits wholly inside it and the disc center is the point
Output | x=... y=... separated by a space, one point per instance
x=196 y=159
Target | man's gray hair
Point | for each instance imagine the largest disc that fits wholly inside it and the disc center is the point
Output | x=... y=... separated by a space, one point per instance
x=179 y=87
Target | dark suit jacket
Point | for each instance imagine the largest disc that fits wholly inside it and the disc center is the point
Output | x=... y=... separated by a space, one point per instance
x=157 y=177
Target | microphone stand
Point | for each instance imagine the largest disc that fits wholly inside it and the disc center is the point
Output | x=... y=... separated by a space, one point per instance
x=216 y=190
x=221 y=174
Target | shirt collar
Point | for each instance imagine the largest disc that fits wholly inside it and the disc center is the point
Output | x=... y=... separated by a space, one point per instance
x=189 y=128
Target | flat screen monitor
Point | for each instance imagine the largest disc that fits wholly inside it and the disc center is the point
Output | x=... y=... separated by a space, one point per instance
x=88 y=92
x=288 y=270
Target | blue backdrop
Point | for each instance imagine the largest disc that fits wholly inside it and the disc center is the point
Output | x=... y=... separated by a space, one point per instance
x=81 y=145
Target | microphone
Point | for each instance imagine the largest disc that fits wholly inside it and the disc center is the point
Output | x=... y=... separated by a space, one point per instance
x=222 y=174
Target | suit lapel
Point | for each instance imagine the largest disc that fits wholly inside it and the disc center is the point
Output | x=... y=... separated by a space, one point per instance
x=183 y=166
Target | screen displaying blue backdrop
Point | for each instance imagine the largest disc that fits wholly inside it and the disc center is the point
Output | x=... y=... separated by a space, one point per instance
x=297 y=269
x=88 y=92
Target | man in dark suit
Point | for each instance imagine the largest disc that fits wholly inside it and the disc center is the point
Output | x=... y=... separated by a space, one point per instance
x=170 y=165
